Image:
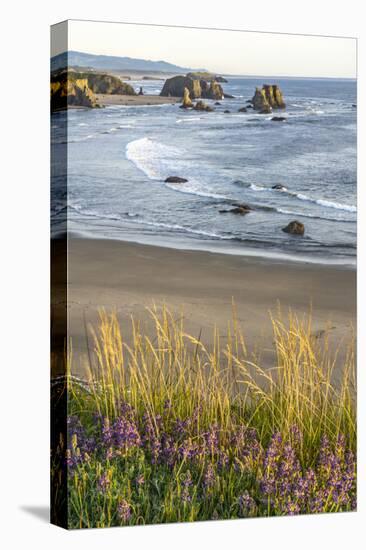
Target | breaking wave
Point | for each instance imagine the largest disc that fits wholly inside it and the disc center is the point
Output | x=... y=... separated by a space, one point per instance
x=159 y=161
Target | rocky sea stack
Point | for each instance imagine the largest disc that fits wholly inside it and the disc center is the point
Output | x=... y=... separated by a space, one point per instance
x=267 y=98
x=198 y=88
x=187 y=103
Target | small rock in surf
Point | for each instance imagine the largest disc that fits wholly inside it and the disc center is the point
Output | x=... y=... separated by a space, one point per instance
x=175 y=179
x=294 y=228
x=241 y=209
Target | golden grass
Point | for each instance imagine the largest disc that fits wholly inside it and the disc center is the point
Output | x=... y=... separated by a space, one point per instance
x=223 y=382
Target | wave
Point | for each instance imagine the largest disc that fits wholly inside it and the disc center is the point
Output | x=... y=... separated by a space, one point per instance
x=321 y=202
x=79 y=140
x=159 y=161
x=178 y=227
x=188 y=119
x=307 y=215
x=326 y=203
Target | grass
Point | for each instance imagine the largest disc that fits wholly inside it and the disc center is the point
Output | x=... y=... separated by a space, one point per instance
x=166 y=430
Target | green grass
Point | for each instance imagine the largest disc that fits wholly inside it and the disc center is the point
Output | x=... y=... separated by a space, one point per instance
x=171 y=378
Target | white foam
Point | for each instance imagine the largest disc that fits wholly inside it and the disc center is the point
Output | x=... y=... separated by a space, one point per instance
x=326 y=203
x=159 y=161
x=178 y=227
x=321 y=202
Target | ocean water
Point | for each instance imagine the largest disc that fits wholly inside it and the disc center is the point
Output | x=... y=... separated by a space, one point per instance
x=118 y=159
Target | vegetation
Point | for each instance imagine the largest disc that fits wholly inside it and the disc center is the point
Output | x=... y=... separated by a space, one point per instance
x=166 y=430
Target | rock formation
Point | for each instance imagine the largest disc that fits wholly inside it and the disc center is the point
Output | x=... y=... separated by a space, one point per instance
x=241 y=209
x=202 y=106
x=102 y=83
x=260 y=101
x=294 y=228
x=187 y=103
x=71 y=91
x=267 y=98
x=175 y=179
x=203 y=75
x=198 y=88
x=78 y=88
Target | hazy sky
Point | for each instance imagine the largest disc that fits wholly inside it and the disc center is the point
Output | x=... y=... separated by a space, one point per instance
x=245 y=53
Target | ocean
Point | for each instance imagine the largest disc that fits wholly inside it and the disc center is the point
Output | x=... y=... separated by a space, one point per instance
x=118 y=159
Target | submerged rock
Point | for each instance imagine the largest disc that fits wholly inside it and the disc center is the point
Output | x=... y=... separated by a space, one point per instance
x=217 y=103
x=278 y=186
x=279 y=118
x=241 y=209
x=242 y=110
x=294 y=228
x=226 y=111
x=201 y=106
x=175 y=179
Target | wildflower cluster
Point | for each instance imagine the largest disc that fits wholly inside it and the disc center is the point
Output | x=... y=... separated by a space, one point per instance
x=142 y=462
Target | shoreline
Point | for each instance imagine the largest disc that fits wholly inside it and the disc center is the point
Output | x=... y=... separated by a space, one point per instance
x=138 y=100
x=128 y=278
x=212 y=247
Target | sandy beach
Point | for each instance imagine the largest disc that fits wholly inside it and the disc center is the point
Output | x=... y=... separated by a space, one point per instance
x=201 y=286
x=117 y=99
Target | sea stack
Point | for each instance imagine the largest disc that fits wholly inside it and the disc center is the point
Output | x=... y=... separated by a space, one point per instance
x=267 y=98
x=198 y=88
x=187 y=103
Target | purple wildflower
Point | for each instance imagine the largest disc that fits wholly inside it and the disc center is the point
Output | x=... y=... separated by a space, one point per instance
x=209 y=479
x=124 y=511
x=103 y=483
x=186 y=486
x=247 y=505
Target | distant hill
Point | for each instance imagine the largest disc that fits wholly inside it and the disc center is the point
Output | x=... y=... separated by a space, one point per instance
x=114 y=63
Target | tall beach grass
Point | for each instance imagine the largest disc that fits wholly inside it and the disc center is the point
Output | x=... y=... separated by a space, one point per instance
x=165 y=429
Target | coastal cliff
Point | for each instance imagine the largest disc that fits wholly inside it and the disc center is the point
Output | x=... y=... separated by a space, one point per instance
x=107 y=84
x=67 y=91
x=79 y=88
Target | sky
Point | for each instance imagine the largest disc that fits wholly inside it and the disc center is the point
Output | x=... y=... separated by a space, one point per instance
x=226 y=52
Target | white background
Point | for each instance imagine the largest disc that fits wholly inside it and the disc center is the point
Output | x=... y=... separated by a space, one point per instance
x=24 y=269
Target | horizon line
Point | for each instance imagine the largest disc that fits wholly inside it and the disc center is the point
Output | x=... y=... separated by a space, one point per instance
x=218 y=73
